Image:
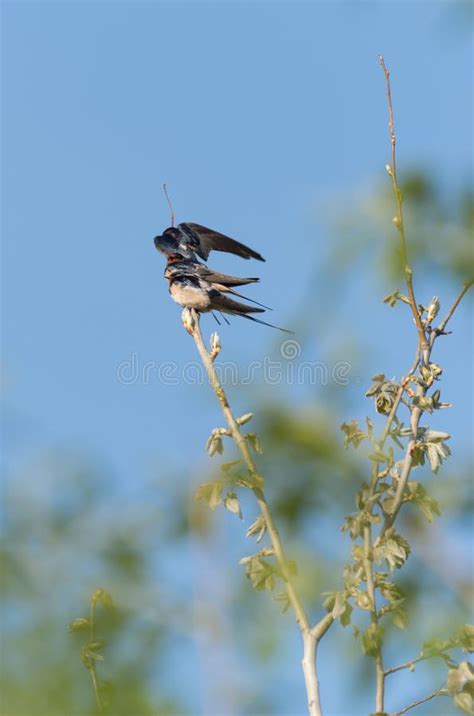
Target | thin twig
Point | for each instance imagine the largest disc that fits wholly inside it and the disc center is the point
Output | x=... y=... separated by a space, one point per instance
x=309 y=637
x=415 y=420
x=456 y=303
x=92 y=667
x=398 y=220
x=423 y=354
x=406 y=665
x=438 y=692
x=369 y=575
x=95 y=684
x=165 y=189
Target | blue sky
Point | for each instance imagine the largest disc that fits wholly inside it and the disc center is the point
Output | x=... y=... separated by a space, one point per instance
x=255 y=114
x=258 y=116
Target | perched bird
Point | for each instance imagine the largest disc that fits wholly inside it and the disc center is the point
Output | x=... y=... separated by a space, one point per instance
x=192 y=241
x=177 y=266
x=189 y=288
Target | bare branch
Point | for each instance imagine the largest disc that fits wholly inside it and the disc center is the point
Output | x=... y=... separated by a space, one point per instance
x=191 y=322
x=399 y=222
x=460 y=296
x=406 y=665
x=165 y=189
x=438 y=692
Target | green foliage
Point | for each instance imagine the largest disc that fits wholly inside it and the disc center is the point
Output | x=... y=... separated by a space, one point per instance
x=393 y=298
x=257 y=529
x=261 y=572
x=254 y=442
x=417 y=494
x=337 y=604
x=211 y=493
x=91 y=648
x=393 y=549
x=384 y=392
x=231 y=503
x=371 y=639
x=433 y=448
x=354 y=436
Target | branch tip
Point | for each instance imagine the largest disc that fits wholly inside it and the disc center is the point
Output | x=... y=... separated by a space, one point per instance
x=165 y=189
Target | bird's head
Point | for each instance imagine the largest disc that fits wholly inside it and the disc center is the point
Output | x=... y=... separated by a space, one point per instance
x=166 y=243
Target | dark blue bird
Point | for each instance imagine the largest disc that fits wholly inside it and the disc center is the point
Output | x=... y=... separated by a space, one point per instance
x=193 y=285
x=193 y=240
x=178 y=267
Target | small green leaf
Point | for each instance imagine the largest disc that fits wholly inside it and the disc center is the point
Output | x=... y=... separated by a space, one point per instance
x=417 y=494
x=250 y=480
x=330 y=600
x=231 y=503
x=95 y=645
x=210 y=493
x=363 y=600
x=340 y=607
x=244 y=419
x=465 y=637
x=437 y=453
x=354 y=435
x=437 y=648
x=393 y=298
x=389 y=590
x=394 y=549
x=80 y=624
x=260 y=572
x=378 y=456
x=463 y=700
x=352 y=578
x=257 y=529
x=345 y=617
x=89 y=655
x=460 y=676
x=372 y=639
x=400 y=618
x=378 y=381
x=423 y=402
x=101 y=596
x=227 y=466
x=284 y=599
x=254 y=442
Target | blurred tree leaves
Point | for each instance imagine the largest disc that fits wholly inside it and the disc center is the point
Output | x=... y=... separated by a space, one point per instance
x=440 y=226
x=58 y=542
x=67 y=531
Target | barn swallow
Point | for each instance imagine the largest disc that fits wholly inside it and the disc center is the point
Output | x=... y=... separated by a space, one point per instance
x=190 y=290
x=192 y=241
x=177 y=267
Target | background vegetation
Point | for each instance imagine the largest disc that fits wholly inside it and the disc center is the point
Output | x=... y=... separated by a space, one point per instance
x=187 y=633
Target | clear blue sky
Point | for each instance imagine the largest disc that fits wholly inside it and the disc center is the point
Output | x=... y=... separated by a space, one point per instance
x=254 y=114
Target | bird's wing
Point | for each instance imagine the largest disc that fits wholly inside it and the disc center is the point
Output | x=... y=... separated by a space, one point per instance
x=203 y=240
x=227 y=305
x=222 y=278
x=225 y=289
